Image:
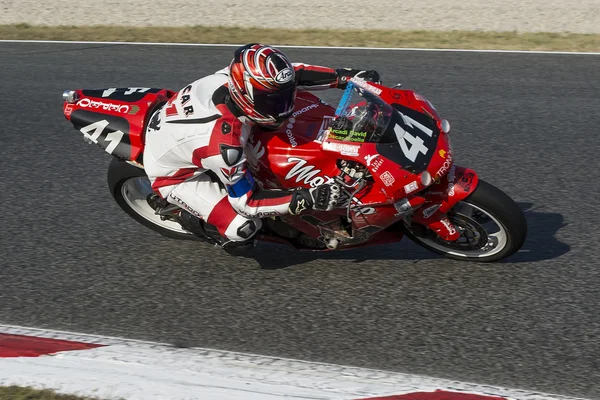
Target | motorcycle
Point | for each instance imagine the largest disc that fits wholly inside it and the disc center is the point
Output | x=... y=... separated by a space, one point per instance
x=387 y=147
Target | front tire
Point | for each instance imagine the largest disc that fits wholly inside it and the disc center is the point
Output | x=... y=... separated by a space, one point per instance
x=493 y=227
x=130 y=187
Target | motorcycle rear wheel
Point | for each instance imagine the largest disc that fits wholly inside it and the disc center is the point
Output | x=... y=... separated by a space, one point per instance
x=130 y=188
x=492 y=227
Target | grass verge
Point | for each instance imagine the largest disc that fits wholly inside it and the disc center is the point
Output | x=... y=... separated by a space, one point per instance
x=27 y=393
x=314 y=37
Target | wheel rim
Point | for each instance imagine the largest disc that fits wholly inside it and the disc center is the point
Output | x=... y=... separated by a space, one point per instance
x=482 y=235
x=135 y=192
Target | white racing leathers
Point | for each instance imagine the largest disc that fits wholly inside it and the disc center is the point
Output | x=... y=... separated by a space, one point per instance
x=194 y=158
x=194 y=154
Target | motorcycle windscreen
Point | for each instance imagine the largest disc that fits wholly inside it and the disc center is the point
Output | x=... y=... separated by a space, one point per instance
x=402 y=134
x=361 y=115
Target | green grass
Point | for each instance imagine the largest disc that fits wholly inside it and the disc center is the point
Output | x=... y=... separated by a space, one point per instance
x=316 y=37
x=27 y=393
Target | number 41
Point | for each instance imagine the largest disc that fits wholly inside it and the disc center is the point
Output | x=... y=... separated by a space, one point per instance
x=98 y=127
x=417 y=144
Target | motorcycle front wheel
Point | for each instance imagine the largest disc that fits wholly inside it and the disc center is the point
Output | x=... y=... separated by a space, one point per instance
x=492 y=228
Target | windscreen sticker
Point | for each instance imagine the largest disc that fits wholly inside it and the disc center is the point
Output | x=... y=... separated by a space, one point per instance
x=348 y=135
x=345 y=100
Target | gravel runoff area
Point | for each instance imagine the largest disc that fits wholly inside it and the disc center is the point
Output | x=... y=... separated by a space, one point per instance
x=578 y=16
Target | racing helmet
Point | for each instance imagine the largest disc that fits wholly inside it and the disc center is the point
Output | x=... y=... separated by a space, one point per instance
x=262 y=83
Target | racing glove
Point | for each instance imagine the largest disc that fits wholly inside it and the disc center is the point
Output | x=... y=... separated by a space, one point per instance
x=344 y=74
x=322 y=198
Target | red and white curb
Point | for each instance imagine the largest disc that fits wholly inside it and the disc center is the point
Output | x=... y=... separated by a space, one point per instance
x=108 y=367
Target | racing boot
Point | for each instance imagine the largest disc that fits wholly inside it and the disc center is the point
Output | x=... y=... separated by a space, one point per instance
x=195 y=225
x=232 y=247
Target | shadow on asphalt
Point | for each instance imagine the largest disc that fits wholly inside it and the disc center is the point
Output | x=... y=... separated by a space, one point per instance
x=540 y=244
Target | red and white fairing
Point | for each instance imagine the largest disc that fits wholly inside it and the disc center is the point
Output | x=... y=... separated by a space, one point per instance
x=301 y=154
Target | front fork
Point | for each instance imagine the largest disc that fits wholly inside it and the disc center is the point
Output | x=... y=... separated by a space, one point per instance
x=441 y=197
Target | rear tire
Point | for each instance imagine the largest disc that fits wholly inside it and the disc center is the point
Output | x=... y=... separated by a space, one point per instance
x=130 y=187
x=474 y=216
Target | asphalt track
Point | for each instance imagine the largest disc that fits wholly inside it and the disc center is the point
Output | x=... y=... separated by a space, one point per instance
x=72 y=260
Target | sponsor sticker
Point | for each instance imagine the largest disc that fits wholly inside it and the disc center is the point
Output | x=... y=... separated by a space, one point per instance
x=310 y=175
x=411 y=187
x=445 y=167
x=68 y=109
x=387 y=178
x=96 y=104
x=369 y=159
x=289 y=133
x=402 y=207
x=376 y=164
x=344 y=149
x=429 y=211
x=364 y=85
x=304 y=172
x=466 y=180
x=450 y=190
x=305 y=109
x=446 y=222
x=347 y=135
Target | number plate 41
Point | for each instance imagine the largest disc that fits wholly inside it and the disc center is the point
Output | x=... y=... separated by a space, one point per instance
x=409 y=140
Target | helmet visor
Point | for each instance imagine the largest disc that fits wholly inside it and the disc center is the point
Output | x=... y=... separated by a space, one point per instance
x=275 y=105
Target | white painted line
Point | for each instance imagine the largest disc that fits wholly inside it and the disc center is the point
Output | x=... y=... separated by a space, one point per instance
x=134 y=369
x=308 y=47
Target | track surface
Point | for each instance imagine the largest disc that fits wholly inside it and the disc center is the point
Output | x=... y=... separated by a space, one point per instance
x=527 y=123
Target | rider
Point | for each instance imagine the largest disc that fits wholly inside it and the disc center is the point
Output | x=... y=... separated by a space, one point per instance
x=194 y=152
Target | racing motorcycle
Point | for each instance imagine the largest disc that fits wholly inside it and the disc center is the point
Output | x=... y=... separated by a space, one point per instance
x=387 y=147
